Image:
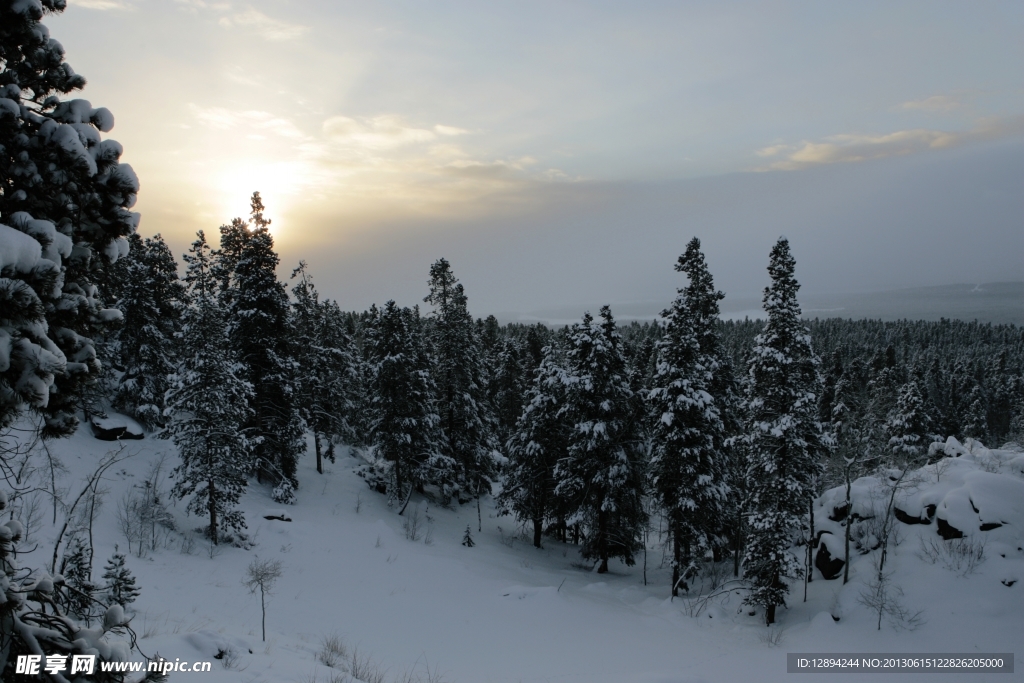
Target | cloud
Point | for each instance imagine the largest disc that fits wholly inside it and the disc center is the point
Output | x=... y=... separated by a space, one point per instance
x=859 y=147
x=196 y=5
x=252 y=122
x=272 y=29
x=381 y=132
x=101 y=4
x=772 y=150
x=933 y=103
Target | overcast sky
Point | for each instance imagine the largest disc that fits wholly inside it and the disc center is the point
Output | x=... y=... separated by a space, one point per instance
x=565 y=152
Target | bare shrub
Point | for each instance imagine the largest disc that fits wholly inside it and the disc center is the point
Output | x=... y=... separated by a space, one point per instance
x=961 y=556
x=333 y=652
x=882 y=596
x=508 y=540
x=412 y=525
x=773 y=637
x=363 y=668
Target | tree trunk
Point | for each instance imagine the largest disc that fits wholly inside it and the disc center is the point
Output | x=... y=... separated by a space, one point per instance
x=846 y=533
x=738 y=540
x=810 y=566
x=319 y=459
x=677 y=559
x=602 y=541
x=769 y=615
x=263 y=609
x=538 y=528
x=211 y=506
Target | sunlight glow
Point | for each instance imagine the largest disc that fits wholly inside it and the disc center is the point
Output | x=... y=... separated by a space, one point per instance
x=279 y=184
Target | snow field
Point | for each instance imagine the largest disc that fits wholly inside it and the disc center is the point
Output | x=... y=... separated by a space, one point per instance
x=505 y=611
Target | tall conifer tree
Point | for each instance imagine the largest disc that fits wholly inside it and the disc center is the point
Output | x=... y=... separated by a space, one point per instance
x=65 y=201
x=327 y=371
x=466 y=419
x=784 y=440
x=404 y=424
x=601 y=477
x=257 y=307
x=208 y=405
x=689 y=469
x=151 y=304
x=540 y=438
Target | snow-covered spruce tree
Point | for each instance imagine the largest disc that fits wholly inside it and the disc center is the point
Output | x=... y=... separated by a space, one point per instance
x=327 y=374
x=600 y=478
x=60 y=185
x=508 y=387
x=78 y=594
x=257 y=308
x=120 y=583
x=208 y=404
x=404 y=426
x=689 y=467
x=975 y=419
x=540 y=438
x=151 y=304
x=783 y=439
x=908 y=425
x=466 y=419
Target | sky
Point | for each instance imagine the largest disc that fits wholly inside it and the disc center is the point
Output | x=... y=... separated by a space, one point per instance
x=562 y=154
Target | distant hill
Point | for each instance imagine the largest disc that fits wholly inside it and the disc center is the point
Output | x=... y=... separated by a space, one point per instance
x=998 y=302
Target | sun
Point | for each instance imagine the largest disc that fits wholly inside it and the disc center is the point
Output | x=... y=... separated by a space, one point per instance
x=279 y=185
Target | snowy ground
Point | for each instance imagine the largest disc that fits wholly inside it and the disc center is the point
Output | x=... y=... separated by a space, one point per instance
x=505 y=611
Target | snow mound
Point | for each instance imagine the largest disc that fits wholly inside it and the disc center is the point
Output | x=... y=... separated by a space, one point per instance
x=115 y=427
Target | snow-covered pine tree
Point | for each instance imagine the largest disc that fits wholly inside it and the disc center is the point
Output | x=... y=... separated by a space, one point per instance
x=975 y=419
x=151 y=305
x=539 y=440
x=120 y=583
x=600 y=479
x=79 y=590
x=508 y=387
x=208 y=404
x=784 y=441
x=63 y=185
x=467 y=538
x=908 y=424
x=257 y=309
x=466 y=419
x=404 y=426
x=327 y=374
x=689 y=467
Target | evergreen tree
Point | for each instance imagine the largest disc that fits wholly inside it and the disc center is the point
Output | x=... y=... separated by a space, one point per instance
x=540 y=438
x=689 y=467
x=151 y=304
x=404 y=427
x=601 y=477
x=208 y=404
x=975 y=420
x=908 y=424
x=783 y=440
x=120 y=582
x=257 y=307
x=467 y=538
x=461 y=379
x=328 y=374
x=79 y=592
x=61 y=185
x=508 y=387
